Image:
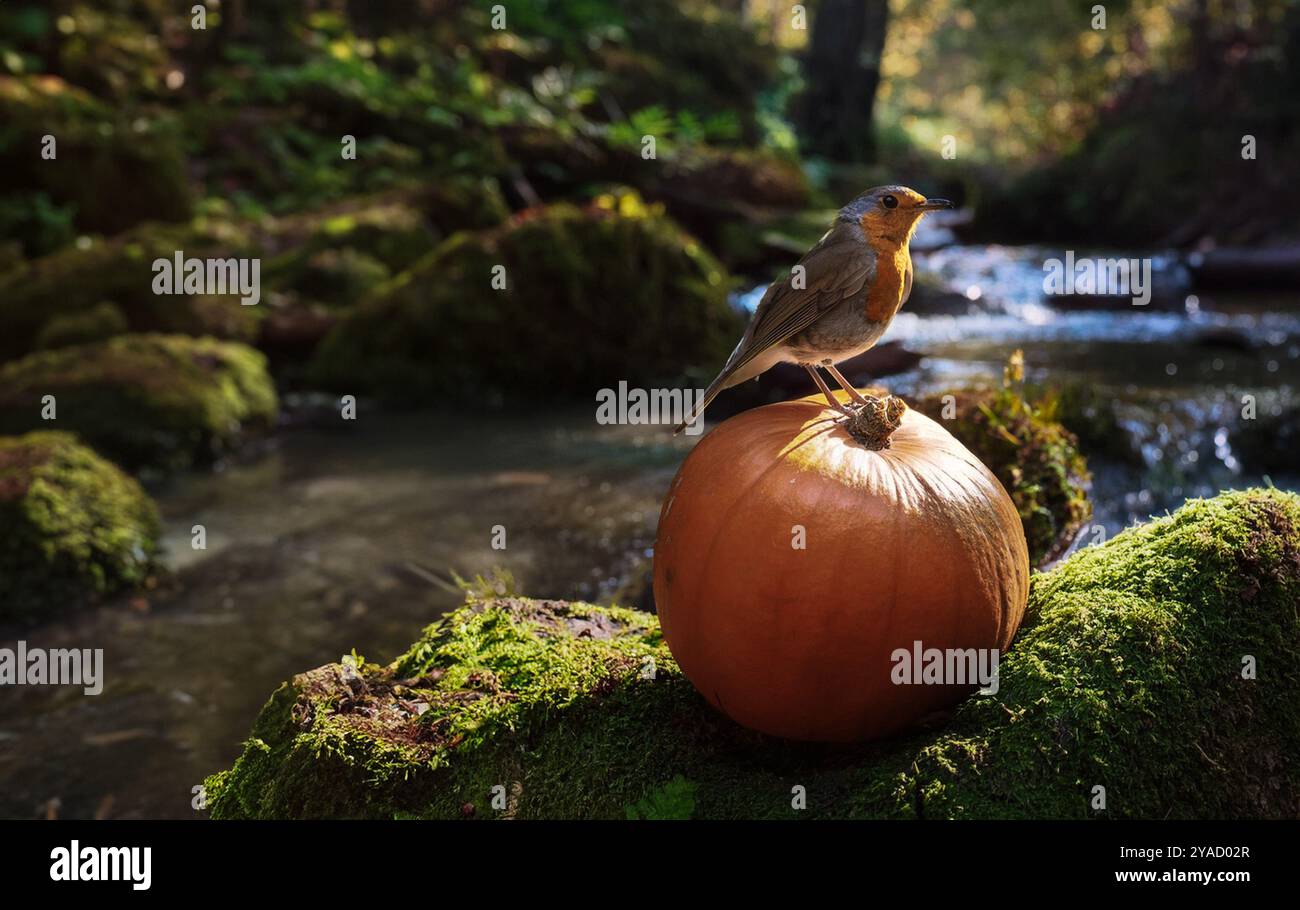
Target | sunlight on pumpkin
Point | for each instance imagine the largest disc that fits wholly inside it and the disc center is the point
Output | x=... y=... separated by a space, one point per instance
x=915 y=542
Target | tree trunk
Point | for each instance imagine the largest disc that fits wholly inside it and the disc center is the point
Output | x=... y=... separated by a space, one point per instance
x=842 y=70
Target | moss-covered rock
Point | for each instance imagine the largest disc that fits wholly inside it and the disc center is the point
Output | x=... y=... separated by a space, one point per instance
x=145 y=400
x=76 y=280
x=96 y=324
x=1127 y=675
x=329 y=255
x=73 y=527
x=583 y=307
x=728 y=198
x=1036 y=458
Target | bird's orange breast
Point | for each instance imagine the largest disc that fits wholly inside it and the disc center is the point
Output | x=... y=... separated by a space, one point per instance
x=885 y=295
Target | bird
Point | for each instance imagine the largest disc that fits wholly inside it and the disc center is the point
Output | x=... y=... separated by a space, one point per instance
x=837 y=301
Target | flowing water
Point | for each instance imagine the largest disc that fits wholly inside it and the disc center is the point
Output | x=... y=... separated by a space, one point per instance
x=327 y=540
x=326 y=543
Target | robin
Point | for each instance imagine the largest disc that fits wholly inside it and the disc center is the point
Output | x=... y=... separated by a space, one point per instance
x=838 y=300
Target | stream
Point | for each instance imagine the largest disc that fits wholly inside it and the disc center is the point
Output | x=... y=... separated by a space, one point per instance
x=325 y=540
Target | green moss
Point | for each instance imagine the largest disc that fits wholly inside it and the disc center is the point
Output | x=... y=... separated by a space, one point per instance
x=77 y=280
x=156 y=400
x=582 y=308
x=1036 y=459
x=675 y=800
x=332 y=254
x=95 y=324
x=339 y=277
x=395 y=227
x=1126 y=675
x=72 y=527
x=729 y=198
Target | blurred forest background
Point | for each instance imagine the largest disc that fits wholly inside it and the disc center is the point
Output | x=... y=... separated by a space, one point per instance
x=766 y=116
x=1130 y=134
x=381 y=158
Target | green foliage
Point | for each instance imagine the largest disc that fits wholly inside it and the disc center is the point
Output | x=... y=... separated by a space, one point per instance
x=667 y=131
x=1127 y=674
x=73 y=527
x=146 y=400
x=41 y=224
x=110 y=48
x=411 y=111
x=674 y=801
x=114 y=167
x=1209 y=85
x=691 y=61
x=584 y=297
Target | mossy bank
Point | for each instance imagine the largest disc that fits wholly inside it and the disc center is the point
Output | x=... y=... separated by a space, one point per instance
x=165 y=401
x=1127 y=676
x=73 y=528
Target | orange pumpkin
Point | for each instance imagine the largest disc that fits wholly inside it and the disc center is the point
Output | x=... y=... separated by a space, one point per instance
x=916 y=542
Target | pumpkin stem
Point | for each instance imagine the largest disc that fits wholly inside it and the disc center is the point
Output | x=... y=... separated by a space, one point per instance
x=874 y=422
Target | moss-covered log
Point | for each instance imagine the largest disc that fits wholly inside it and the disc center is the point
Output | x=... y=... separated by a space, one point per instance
x=72 y=527
x=1128 y=676
x=144 y=400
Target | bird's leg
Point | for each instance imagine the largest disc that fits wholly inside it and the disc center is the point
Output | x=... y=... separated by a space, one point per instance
x=839 y=377
x=821 y=384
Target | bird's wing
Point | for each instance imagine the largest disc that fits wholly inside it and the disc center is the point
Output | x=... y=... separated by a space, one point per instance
x=839 y=267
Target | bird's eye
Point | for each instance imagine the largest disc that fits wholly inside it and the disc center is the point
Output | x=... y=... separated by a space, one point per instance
x=889 y=202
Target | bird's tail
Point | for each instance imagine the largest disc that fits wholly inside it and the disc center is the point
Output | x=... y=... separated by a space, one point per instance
x=710 y=393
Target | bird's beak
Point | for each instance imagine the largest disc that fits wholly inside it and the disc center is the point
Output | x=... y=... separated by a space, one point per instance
x=933 y=205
